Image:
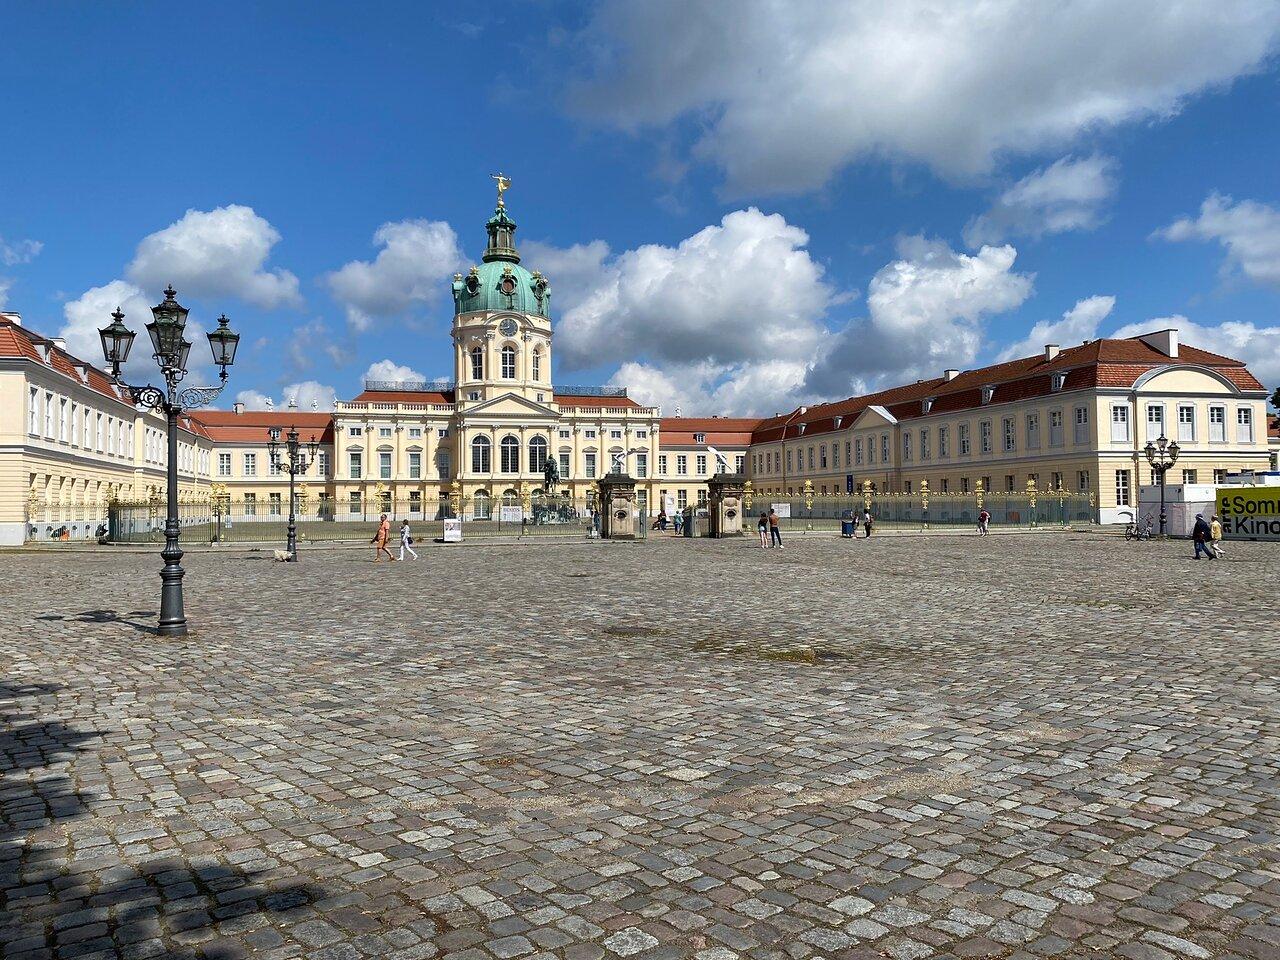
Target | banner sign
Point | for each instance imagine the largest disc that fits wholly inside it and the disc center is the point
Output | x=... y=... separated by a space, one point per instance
x=781 y=509
x=1249 y=513
x=508 y=514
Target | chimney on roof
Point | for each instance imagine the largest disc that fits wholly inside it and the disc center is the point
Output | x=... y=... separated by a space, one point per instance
x=237 y=407
x=1166 y=341
x=1051 y=352
x=14 y=318
x=950 y=374
x=59 y=343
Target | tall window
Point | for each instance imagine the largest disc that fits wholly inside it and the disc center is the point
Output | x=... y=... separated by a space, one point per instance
x=273 y=504
x=442 y=464
x=682 y=464
x=508 y=363
x=355 y=464
x=906 y=446
x=944 y=443
x=1122 y=488
x=1055 y=428
x=477 y=363
x=564 y=464
x=1188 y=476
x=33 y=412
x=701 y=463
x=1155 y=420
x=589 y=464
x=1081 y=425
x=48 y=414
x=962 y=433
x=353 y=499
x=1082 y=481
x=224 y=464
x=924 y=444
x=62 y=419
x=1119 y=424
x=322 y=464
x=510 y=454
x=857 y=452
x=537 y=364
x=1217 y=424
x=250 y=504
x=1010 y=441
x=884 y=448
x=537 y=454
x=985 y=431
x=1186 y=422
x=415 y=465
x=250 y=464
x=1244 y=425
x=1033 y=431
x=481 y=452
x=822 y=457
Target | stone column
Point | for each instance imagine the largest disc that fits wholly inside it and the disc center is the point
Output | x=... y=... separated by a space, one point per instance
x=617 y=506
x=725 y=495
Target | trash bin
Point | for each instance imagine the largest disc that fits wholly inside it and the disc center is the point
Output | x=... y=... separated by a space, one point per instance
x=688 y=522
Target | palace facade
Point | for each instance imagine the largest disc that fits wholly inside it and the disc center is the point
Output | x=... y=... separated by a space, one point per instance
x=1074 y=418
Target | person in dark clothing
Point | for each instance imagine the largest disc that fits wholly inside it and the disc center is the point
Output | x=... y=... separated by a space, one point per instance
x=1200 y=534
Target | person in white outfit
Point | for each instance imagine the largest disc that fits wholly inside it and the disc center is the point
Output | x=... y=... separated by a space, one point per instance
x=406 y=541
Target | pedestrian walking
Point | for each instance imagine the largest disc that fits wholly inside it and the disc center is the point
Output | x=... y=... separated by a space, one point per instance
x=678 y=521
x=380 y=540
x=1215 y=537
x=661 y=522
x=867 y=522
x=1200 y=534
x=406 y=541
x=984 y=522
x=775 y=532
x=762 y=526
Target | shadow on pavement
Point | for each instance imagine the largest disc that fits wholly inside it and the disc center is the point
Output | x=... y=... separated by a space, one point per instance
x=101 y=905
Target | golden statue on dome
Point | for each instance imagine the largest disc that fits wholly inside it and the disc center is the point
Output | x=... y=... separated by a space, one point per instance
x=504 y=184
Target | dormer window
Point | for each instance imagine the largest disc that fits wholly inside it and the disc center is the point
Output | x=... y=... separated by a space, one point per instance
x=987 y=394
x=473 y=282
x=926 y=404
x=699 y=438
x=838 y=421
x=1057 y=381
x=801 y=426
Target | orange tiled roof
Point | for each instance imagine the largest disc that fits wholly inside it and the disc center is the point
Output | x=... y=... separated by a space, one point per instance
x=573 y=400
x=716 y=431
x=404 y=396
x=250 y=426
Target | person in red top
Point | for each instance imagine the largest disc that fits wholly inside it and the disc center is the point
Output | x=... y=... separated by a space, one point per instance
x=380 y=540
x=984 y=521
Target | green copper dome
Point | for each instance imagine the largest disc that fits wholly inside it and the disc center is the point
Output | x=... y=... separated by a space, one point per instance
x=500 y=283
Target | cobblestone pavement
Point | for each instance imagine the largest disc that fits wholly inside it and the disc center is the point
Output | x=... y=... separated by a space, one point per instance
x=1033 y=746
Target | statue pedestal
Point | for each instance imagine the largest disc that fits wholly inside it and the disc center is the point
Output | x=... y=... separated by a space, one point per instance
x=617 y=507
x=725 y=500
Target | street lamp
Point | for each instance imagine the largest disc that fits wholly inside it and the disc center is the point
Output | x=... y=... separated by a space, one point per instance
x=171 y=350
x=296 y=464
x=1161 y=455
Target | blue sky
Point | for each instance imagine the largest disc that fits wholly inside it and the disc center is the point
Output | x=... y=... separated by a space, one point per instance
x=800 y=208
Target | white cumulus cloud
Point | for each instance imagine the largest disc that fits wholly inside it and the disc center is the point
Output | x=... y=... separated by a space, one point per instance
x=788 y=93
x=413 y=266
x=745 y=289
x=390 y=370
x=216 y=253
x=1067 y=195
x=1249 y=230
x=925 y=314
x=5 y=285
x=304 y=394
x=1078 y=324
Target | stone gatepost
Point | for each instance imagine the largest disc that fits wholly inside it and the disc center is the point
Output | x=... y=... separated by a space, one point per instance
x=725 y=496
x=617 y=507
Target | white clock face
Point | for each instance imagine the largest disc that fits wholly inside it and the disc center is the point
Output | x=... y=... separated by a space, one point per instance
x=507 y=327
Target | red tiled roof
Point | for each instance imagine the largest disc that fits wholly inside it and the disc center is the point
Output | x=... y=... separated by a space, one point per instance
x=250 y=426
x=716 y=431
x=404 y=396
x=1098 y=363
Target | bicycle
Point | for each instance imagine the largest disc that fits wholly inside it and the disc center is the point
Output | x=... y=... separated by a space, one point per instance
x=1133 y=531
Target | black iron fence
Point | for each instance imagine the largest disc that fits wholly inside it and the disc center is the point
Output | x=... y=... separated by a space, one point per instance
x=241 y=521
x=916 y=511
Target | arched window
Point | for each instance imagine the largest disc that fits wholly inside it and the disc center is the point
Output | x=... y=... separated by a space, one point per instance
x=537 y=454
x=477 y=363
x=481 y=455
x=481 y=505
x=510 y=498
x=510 y=454
x=508 y=363
x=537 y=364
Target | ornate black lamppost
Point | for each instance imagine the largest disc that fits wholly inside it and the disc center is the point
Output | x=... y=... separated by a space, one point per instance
x=167 y=326
x=1161 y=455
x=297 y=463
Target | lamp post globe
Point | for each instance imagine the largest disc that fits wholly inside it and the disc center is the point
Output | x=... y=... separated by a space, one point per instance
x=171 y=353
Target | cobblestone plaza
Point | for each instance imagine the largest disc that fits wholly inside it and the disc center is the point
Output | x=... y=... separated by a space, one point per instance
x=1019 y=746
